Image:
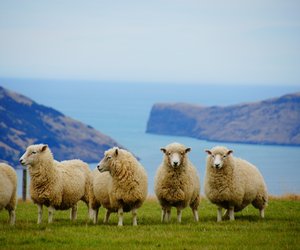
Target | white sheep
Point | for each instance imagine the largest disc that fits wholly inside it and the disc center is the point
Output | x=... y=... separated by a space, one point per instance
x=57 y=185
x=8 y=191
x=99 y=196
x=177 y=182
x=233 y=183
x=128 y=186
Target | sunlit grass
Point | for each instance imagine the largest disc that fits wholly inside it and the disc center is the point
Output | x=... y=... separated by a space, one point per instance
x=279 y=230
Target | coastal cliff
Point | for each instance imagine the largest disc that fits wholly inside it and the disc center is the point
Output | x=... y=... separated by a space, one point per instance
x=24 y=122
x=273 y=121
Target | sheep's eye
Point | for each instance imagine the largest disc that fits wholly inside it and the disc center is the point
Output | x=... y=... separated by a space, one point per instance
x=108 y=157
x=213 y=156
x=224 y=156
x=169 y=153
x=33 y=152
x=181 y=153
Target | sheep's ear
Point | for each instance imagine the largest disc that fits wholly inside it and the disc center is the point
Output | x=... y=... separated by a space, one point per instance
x=188 y=150
x=208 y=151
x=229 y=152
x=116 y=151
x=44 y=147
x=163 y=150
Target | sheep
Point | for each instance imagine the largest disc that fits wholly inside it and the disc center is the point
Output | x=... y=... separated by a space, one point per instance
x=8 y=191
x=99 y=196
x=177 y=183
x=57 y=185
x=127 y=189
x=233 y=183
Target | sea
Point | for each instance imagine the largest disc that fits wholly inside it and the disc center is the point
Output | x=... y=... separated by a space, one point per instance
x=121 y=111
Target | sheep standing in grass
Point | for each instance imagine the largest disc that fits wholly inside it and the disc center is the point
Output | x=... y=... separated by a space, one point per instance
x=177 y=183
x=233 y=183
x=57 y=185
x=127 y=188
x=99 y=196
x=8 y=191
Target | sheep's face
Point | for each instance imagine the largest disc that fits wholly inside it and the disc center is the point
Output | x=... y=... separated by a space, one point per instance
x=106 y=163
x=217 y=159
x=175 y=155
x=32 y=154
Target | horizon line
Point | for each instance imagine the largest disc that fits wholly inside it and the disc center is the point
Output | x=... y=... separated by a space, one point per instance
x=199 y=83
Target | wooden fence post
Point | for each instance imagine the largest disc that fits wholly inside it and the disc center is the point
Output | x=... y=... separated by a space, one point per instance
x=24 y=187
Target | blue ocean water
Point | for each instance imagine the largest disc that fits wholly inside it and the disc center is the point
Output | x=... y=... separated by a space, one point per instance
x=121 y=110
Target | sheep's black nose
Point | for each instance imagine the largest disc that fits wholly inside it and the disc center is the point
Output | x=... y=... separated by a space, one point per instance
x=175 y=163
x=217 y=165
x=21 y=161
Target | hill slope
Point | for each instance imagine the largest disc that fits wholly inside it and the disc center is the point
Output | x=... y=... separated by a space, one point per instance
x=24 y=122
x=273 y=121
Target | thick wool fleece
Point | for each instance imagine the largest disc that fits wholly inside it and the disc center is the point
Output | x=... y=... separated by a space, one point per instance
x=58 y=184
x=99 y=192
x=238 y=183
x=8 y=187
x=128 y=185
x=177 y=186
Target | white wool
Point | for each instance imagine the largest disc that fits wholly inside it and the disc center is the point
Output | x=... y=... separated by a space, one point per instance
x=8 y=190
x=233 y=183
x=57 y=185
x=177 y=182
x=120 y=187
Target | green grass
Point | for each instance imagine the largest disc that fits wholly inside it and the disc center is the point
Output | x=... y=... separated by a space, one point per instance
x=279 y=230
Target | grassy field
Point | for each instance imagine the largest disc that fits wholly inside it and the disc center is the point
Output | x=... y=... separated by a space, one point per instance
x=279 y=230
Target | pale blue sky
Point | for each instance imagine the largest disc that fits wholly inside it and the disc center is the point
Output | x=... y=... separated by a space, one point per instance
x=182 y=41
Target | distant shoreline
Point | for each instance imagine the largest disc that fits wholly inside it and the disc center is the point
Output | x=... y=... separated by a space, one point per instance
x=273 y=121
x=232 y=142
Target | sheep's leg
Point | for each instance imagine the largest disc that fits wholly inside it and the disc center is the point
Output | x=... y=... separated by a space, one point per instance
x=106 y=218
x=120 y=214
x=95 y=215
x=168 y=214
x=196 y=216
x=74 y=212
x=91 y=213
x=134 y=217
x=231 y=213
x=262 y=213
x=163 y=215
x=12 y=217
x=40 y=213
x=50 y=214
x=226 y=214
x=179 y=213
x=96 y=212
x=219 y=214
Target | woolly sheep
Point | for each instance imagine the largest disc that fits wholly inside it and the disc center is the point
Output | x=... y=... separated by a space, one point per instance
x=177 y=183
x=233 y=183
x=99 y=196
x=127 y=188
x=57 y=185
x=8 y=191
